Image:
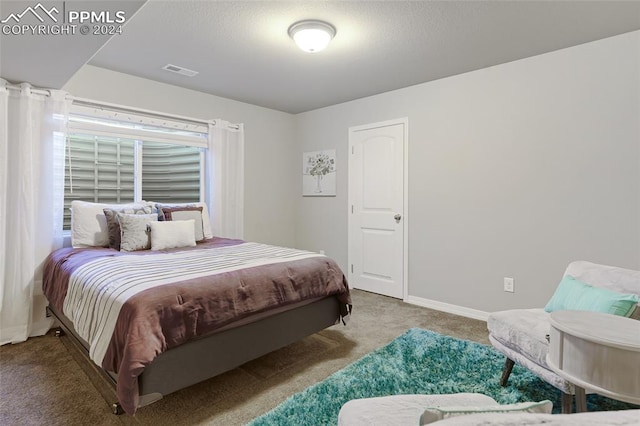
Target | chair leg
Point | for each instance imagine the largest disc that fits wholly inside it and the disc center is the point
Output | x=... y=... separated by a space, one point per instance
x=506 y=371
x=567 y=400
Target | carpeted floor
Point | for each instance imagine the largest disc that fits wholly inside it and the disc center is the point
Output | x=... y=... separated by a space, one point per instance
x=46 y=381
x=420 y=362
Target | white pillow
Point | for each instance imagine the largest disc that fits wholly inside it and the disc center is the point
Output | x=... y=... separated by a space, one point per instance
x=433 y=414
x=172 y=234
x=206 y=221
x=89 y=224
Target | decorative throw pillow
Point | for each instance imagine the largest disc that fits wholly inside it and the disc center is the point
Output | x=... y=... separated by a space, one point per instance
x=89 y=224
x=206 y=223
x=186 y=213
x=172 y=234
x=113 y=226
x=573 y=294
x=433 y=414
x=134 y=229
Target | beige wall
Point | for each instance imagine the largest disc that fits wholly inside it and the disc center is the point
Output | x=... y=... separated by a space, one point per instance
x=514 y=170
x=269 y=142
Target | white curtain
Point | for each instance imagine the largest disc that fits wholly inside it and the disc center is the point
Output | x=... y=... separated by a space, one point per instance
x=225 y=179
x=32 y=138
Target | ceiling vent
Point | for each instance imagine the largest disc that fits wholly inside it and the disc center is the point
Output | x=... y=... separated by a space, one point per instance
x=180 y=70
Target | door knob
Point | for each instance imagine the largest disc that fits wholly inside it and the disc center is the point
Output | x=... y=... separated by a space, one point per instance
x=397 y=217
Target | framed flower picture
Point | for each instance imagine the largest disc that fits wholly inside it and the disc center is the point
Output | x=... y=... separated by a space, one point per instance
x=319 y=173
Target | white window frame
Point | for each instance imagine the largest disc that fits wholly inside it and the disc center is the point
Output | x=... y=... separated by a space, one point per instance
x=141 y=126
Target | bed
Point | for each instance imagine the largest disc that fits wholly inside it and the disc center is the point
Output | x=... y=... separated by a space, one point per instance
x=159 y=321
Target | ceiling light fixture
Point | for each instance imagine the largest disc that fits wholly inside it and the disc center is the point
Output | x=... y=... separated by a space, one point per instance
x=312 y=36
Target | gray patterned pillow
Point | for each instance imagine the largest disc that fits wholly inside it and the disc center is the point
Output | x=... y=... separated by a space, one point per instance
x=134 y=231
x=113 y=226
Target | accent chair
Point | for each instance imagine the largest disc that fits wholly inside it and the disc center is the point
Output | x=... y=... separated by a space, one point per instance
x=523 y=334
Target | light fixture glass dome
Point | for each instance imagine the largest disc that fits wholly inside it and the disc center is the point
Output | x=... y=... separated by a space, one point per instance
x=312 y=36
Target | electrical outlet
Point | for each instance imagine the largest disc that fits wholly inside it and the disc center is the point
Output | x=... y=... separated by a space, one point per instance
x=508 y=284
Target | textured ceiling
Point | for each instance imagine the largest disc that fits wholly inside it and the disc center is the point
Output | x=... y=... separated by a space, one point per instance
x=242 y=51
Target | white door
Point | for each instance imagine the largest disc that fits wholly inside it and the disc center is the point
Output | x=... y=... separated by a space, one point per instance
x=377 y=156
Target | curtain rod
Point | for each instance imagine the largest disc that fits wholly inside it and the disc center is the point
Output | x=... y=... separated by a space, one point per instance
x=11 y=86
x=100 y=104
x=135 y=110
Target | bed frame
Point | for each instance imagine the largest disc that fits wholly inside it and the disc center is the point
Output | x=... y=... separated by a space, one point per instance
x=221 y=351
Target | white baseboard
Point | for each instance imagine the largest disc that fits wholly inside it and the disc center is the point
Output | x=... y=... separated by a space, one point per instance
x=447 y=307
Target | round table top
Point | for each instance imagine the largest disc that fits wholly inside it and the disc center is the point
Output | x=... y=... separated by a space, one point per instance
x=607 y=329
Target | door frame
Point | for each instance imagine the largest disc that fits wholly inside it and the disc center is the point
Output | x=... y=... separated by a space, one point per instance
x=405 y=196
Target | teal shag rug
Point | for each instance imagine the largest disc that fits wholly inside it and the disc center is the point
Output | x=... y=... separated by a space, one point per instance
x=419 y=362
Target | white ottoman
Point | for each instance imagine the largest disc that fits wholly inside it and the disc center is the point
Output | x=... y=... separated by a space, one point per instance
x=398 y=410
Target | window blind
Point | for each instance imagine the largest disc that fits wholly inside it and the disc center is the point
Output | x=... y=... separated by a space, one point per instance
x=170 y=173
x=98 y=169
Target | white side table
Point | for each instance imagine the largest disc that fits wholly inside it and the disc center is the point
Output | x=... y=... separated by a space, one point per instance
x=596 y=352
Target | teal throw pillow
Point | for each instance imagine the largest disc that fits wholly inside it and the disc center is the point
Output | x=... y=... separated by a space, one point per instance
x=573 y=294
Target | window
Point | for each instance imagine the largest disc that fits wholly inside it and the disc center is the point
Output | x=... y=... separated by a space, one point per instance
x=132 y=158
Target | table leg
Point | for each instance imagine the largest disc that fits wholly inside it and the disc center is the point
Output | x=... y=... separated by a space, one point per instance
x=581 y=400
